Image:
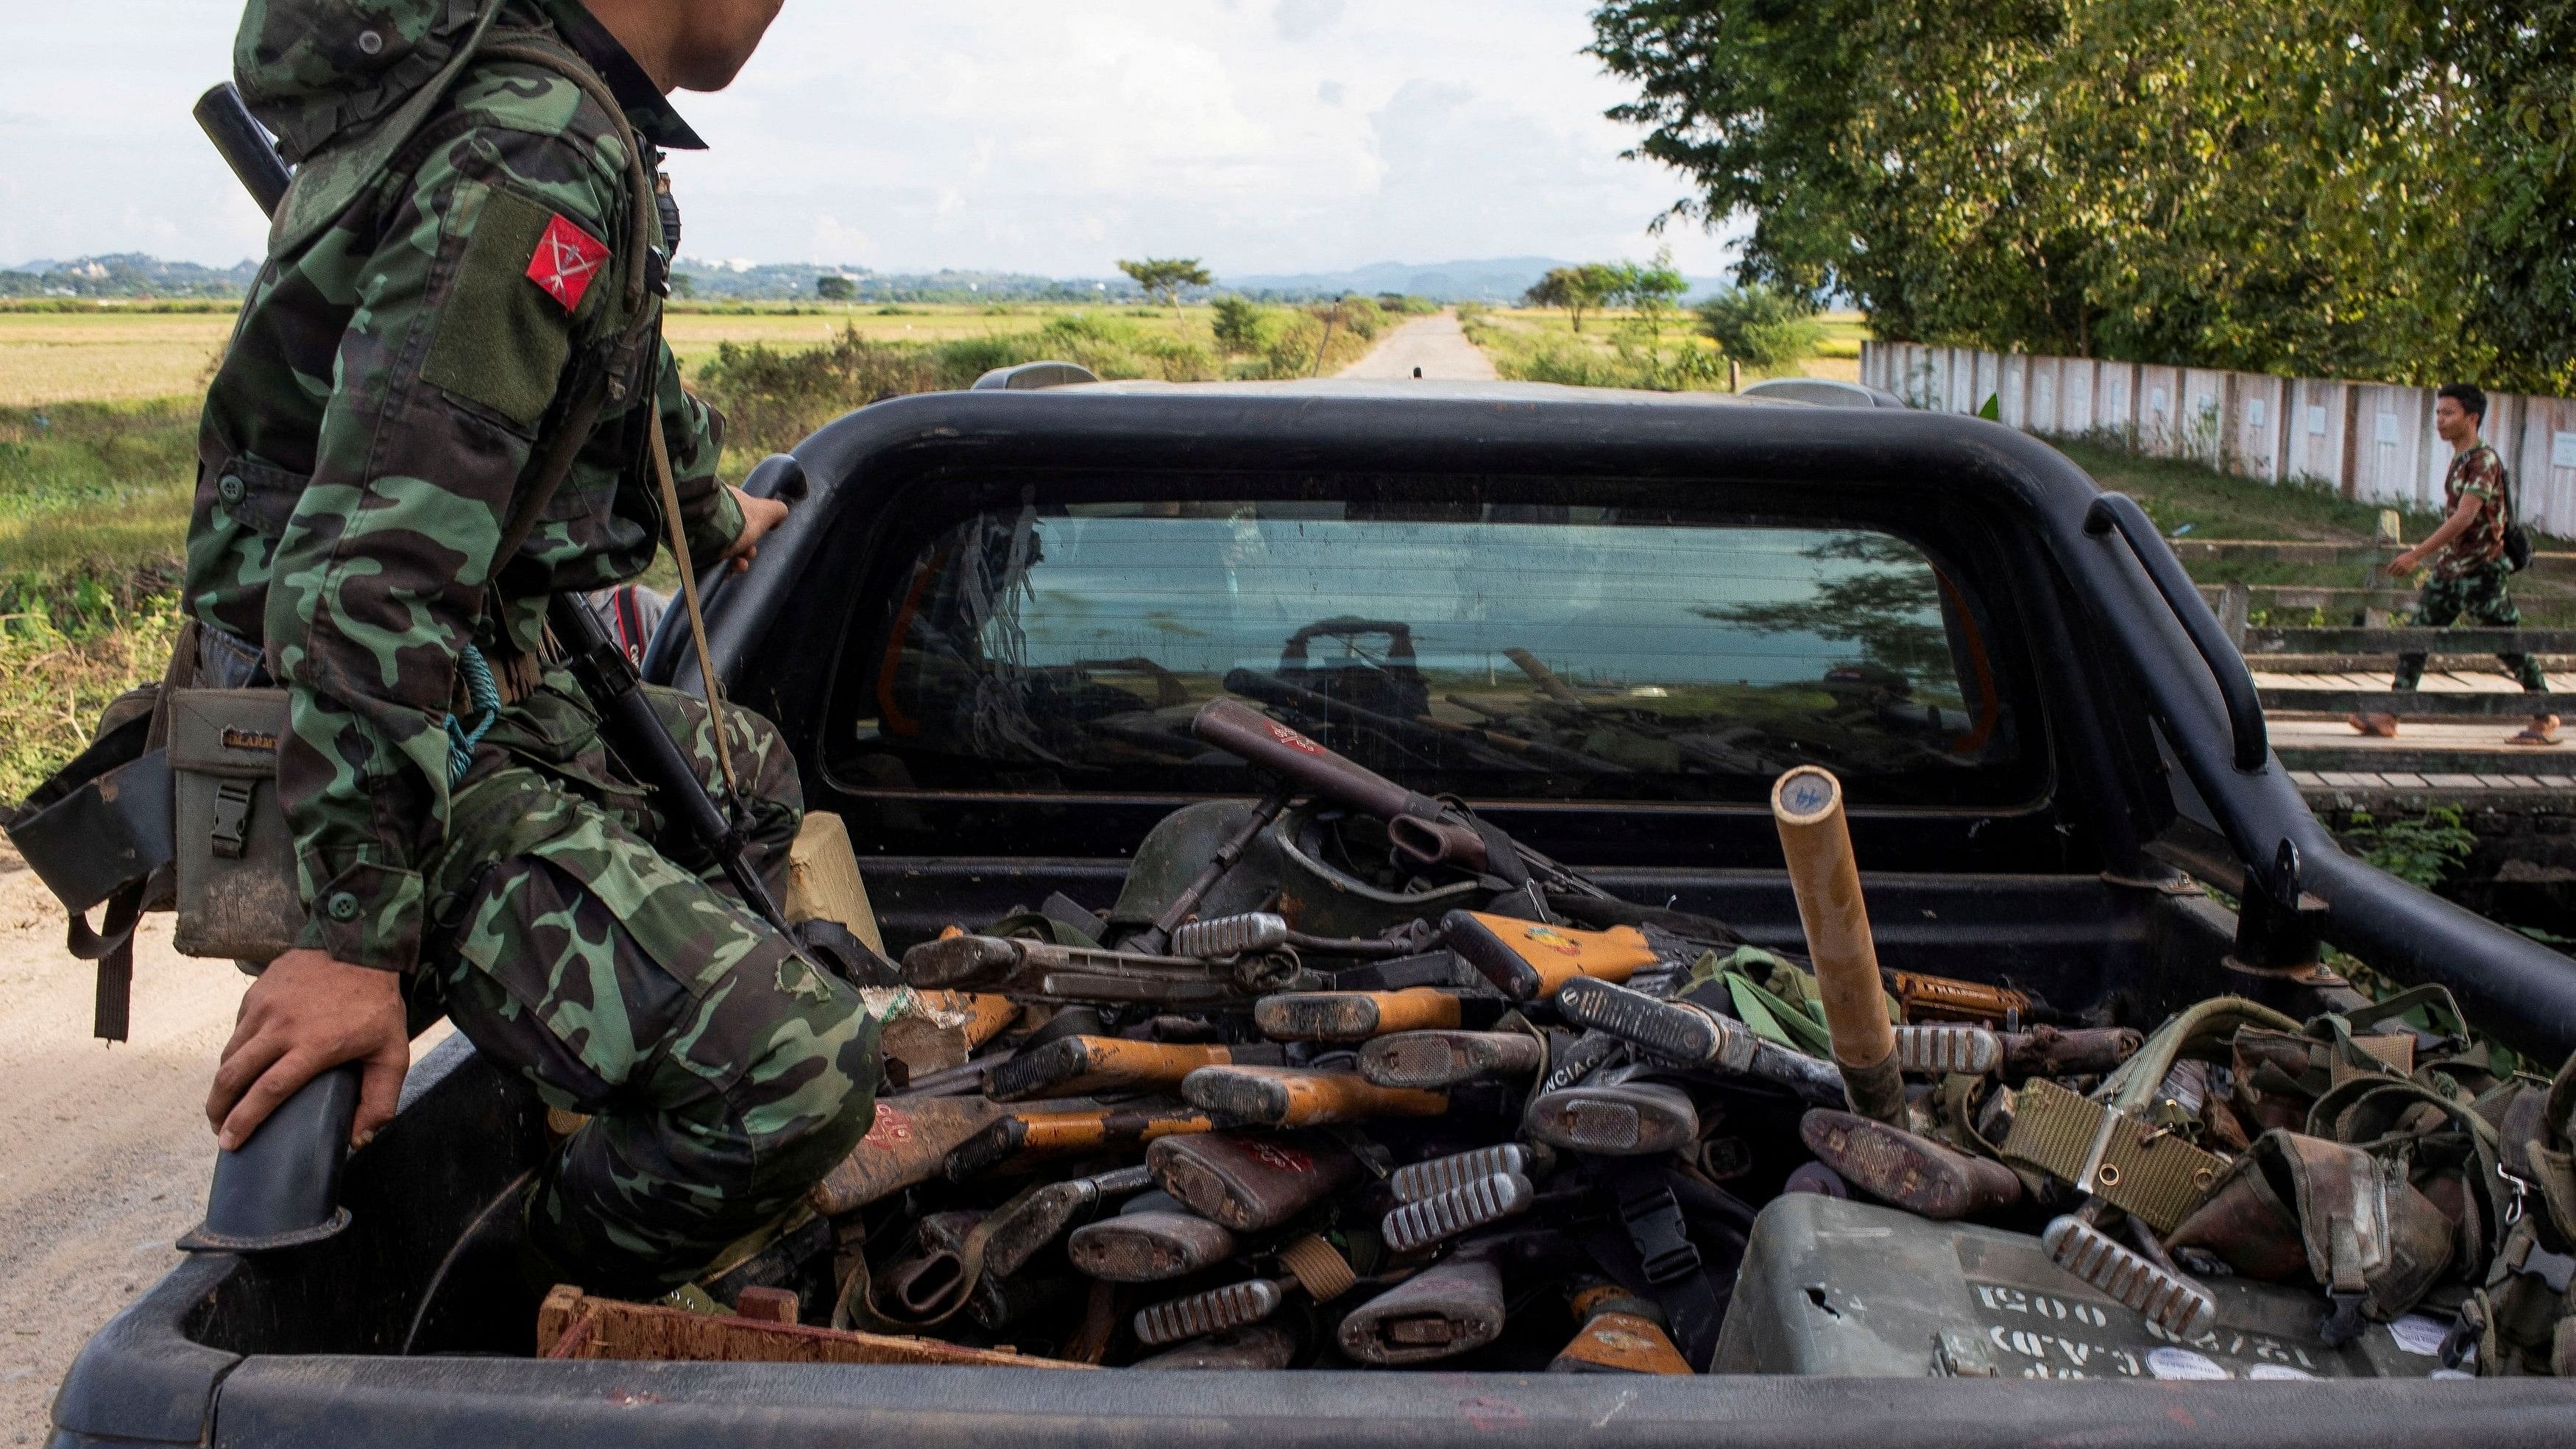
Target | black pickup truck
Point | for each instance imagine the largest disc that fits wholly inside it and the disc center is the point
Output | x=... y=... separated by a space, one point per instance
x=976 y=631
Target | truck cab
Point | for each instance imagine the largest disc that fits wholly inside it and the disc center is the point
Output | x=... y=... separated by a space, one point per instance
x=1607 y=621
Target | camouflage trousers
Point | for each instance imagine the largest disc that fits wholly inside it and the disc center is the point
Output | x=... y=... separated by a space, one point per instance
x=2482 y=598
x=722 y=1074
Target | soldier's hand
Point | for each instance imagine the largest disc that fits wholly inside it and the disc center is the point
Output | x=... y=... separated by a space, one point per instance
x=305 y=1015
x=759 y=516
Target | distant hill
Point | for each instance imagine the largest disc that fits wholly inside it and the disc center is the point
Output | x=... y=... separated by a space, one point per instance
x=1498 y=279
x=125 y=274
x=784 y=281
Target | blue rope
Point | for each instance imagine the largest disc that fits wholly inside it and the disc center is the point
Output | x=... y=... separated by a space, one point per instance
x=486 y=698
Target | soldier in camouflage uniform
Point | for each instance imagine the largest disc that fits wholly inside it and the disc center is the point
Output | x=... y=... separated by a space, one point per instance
x=447 y=299
x=2467 y=553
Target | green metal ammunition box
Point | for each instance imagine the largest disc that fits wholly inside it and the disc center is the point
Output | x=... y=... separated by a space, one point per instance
x=1850 y=1290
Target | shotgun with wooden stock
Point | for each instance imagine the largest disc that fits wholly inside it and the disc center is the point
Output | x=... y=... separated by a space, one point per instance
x=1423 y=830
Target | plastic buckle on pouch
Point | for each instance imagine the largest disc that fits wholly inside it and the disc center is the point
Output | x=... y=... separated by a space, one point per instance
x=232 y=818
x=2528 y=1259
x=1654 y=1223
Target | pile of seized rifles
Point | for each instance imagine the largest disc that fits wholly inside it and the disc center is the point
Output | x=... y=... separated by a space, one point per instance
x=1527 y=1135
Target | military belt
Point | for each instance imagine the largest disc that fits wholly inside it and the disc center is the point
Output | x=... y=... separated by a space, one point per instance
x=2150 y=1174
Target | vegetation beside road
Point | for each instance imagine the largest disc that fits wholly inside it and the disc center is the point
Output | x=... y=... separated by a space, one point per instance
x=774 y=397
x=98 y=418
x=1622 y=348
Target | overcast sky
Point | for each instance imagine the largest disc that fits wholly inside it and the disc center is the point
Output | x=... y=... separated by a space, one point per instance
x=1262 y=135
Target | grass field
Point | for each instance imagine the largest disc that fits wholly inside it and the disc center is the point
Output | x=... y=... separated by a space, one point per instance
x=54 y=357
x=1542 y=346
x=124 y=356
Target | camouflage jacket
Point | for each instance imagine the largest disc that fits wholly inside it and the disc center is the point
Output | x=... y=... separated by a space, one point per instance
x=2478 y=473
x=400 y=369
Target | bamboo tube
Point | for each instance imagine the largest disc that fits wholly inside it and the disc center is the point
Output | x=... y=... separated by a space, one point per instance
x=1807 y=805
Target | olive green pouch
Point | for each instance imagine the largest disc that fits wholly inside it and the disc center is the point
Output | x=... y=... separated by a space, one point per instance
x=236 y=857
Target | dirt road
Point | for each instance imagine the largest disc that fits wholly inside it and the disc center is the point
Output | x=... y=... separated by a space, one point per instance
x=1437 y=345
x=105 y=1157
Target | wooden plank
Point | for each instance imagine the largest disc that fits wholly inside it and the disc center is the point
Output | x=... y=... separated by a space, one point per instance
x=2303 y=550
x=2383 y=596
x=573 y=1325
x=2443 y=769
x=2418 y=704
x=2465 y=664
x=2399 y=641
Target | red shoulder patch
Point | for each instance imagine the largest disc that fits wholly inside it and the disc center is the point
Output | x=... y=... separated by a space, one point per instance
x=567 y=259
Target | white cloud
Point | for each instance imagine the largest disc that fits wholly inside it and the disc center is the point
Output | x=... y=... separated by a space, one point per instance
x=1280 y=135
x=1306 y=19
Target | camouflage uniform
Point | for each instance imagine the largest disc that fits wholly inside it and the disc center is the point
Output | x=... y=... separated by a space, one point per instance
x=405 y=361
x=2470 y=575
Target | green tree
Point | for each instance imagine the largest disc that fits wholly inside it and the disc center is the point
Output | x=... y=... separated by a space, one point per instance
x=1652 y=295
x=2297 y=188
x=834 y=288
x=1163 y=278
x=1576 y=289
x=1238 y=325
x=1761 y=327
x=2520 y=65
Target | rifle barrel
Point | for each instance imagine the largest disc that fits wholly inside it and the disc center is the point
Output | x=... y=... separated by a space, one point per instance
x=245 y=145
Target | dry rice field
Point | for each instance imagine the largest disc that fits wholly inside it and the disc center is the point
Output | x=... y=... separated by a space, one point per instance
x=109 y=356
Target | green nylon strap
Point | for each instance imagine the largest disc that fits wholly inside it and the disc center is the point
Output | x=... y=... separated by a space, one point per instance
x=1775 y=1020
x=2133 y=1087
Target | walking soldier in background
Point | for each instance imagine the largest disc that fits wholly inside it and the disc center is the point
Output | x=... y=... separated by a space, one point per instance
x=446 y=401
x=2468 y=555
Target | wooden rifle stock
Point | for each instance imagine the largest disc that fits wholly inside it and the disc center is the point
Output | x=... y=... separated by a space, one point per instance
x=1287 y=1097
x=1530 y=961
x=1072 y=1065
x=1356 y=1015
x=1024 y=1134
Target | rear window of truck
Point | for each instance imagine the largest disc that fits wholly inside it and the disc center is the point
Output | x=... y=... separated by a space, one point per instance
x=1495 y=651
